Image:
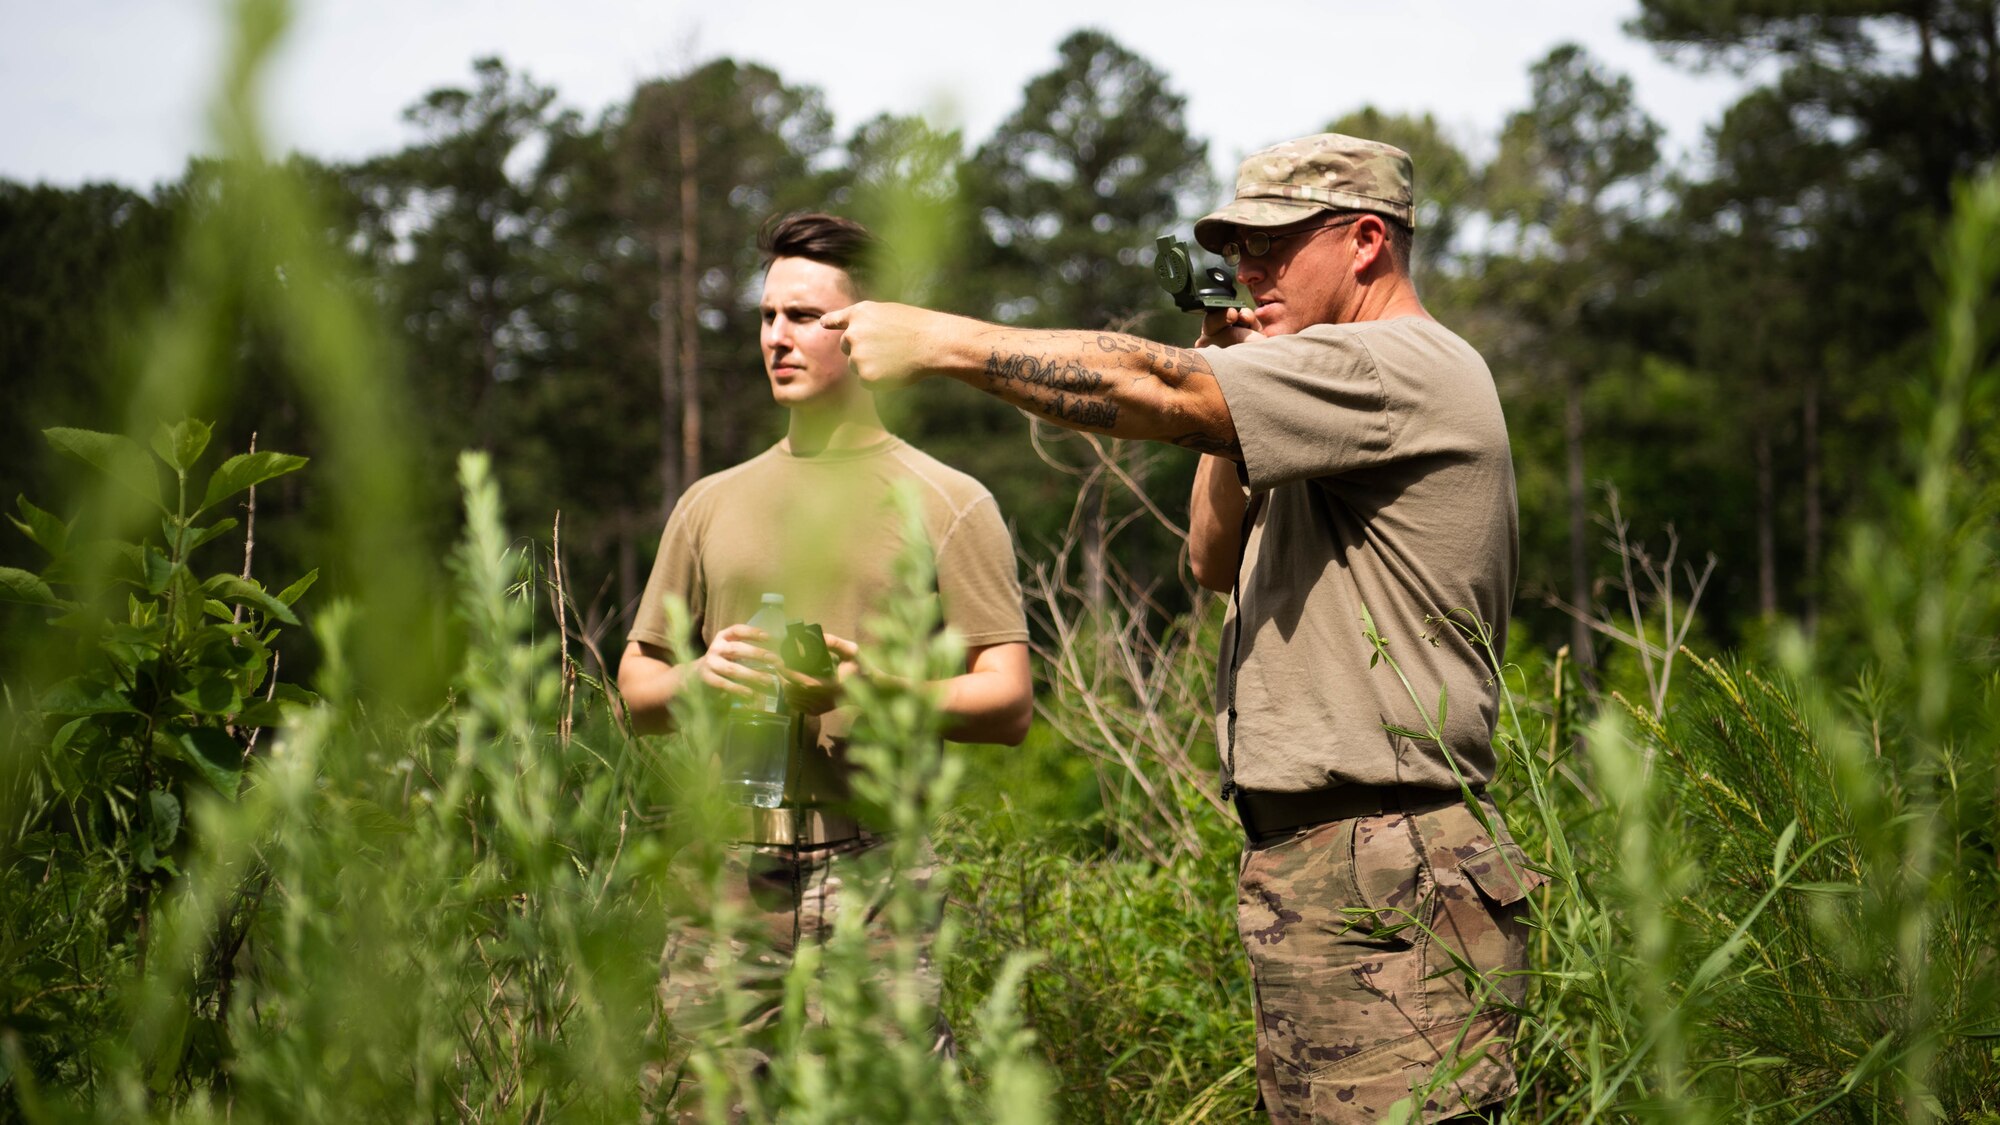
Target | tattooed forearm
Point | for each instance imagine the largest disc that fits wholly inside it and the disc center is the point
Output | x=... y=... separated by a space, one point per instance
x=1076 y=392
x=1089 y=413
x=1172 y=365
x=1066 y=375
x=1107 y=382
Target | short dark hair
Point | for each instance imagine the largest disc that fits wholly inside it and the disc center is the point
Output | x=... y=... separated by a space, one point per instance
x=1402 y=243
x=830 y=239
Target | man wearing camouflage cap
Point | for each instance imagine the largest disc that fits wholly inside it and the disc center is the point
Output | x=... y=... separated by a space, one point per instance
x=1356 y=498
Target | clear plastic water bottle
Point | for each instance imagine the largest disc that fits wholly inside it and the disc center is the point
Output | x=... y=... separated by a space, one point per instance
x=770 y=617
x=757 y=748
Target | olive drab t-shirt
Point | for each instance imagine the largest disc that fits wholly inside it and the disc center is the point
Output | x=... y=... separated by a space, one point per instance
x=1382 y=488
x=825 y=532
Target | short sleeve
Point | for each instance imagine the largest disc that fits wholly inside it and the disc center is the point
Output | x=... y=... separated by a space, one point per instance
x=979 y=587
x=1306 y=405
x=676 y=574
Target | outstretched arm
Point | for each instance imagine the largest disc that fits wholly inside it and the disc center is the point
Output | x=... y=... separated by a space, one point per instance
x=1101 y=382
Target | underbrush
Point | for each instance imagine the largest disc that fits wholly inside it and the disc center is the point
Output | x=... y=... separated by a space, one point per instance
x=439 y=885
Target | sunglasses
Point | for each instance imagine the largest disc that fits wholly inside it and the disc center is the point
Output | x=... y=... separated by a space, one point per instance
x=1257 y=243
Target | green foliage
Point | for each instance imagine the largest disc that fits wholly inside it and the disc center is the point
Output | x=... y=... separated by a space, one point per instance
x=442 y=888
x=171 y=678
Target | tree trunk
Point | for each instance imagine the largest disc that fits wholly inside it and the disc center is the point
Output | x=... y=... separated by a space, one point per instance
x=1579 y=522
x=670 y=382
x=1814 y=517
x=690 y=307
x=1767 y=545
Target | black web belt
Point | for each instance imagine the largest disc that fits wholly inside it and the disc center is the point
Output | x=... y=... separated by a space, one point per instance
x=1269 y=816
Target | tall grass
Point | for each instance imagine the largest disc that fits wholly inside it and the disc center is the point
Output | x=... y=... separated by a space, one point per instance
x=436 y=894
x=445 y=885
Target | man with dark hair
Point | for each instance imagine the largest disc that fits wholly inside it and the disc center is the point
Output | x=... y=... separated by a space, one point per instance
x=812 y=518
x=1356 y=498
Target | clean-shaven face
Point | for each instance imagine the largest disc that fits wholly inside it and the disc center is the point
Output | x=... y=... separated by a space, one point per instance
x=803 y=360
x=1305 y=278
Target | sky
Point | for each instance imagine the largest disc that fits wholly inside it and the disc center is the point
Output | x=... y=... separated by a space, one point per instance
x=95 y=90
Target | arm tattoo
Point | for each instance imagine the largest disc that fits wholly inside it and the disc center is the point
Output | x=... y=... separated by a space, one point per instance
x=1073 y=389
x=1172 y=365
x=1075 y=393
x=1082 y=411
x=1066 y=375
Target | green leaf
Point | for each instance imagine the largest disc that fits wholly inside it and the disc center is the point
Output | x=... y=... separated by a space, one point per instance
x=213 y=694
x=101 y=560
x=17 y=585
x=182 y=443
x=212 y=753
x=166 y=818
x=43 y=528
x=159 y=571
x=238 y=591
x=77 y=696
x=200 y=535
x=1784 y=848
x=1441 y=701
x=114 y=455
x=292 y=593
x=188 y=603
x=262 y=713
x=1986 y=1029
x=63 y=736
x=247 y=469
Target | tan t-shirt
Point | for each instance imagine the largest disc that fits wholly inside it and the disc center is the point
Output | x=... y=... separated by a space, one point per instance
x=824 y=532
x=1386 y=483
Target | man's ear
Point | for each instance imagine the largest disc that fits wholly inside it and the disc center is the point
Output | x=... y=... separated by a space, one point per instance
x=1371 y=243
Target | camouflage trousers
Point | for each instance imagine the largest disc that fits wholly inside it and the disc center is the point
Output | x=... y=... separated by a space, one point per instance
x=790 y=897
x=1387 y=953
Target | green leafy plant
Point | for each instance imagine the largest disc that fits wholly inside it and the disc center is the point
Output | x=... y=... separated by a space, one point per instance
x=172 y=675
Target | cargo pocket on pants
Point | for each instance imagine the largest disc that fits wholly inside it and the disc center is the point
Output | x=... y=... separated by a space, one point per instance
x=1502 y=874
x=1497 y=942
x=1436 y=1073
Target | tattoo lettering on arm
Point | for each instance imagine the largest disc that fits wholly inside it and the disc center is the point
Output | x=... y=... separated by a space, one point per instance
x=1082 y=411
x=1065 y=375
x=1075 y=392
x=1076 y=388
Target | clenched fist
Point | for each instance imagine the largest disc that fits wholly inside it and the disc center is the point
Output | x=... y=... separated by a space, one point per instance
x=889 y=345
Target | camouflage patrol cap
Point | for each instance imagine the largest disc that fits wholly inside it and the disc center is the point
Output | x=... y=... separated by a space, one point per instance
x=1328 y=171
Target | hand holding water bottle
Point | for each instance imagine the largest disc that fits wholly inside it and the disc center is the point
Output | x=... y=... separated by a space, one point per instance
x=760 y=733
x=738 y=664
x=814 y=680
